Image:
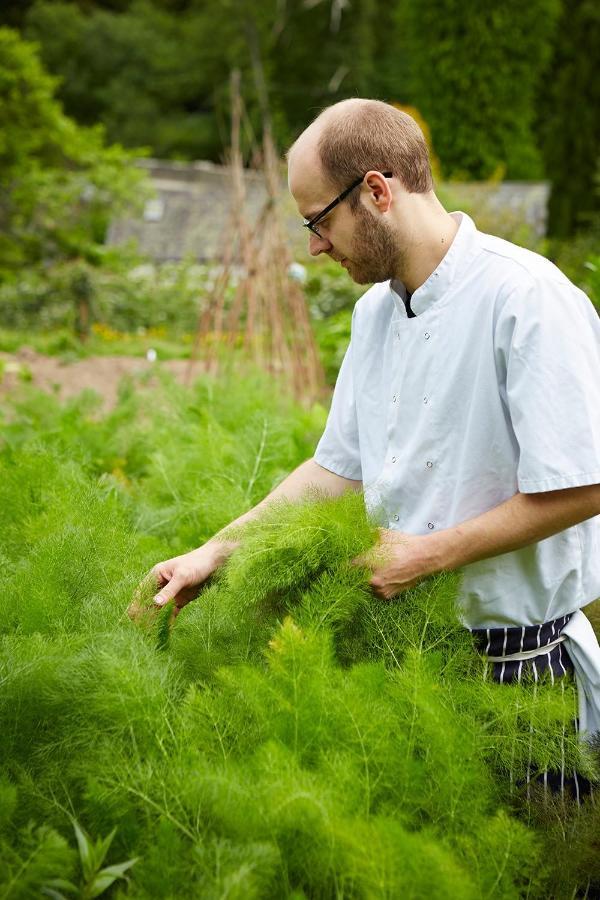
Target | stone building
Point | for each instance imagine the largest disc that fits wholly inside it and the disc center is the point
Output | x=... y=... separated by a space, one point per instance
x=187 y=216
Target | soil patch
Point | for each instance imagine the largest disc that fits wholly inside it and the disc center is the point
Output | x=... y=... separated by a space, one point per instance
x=101 y=374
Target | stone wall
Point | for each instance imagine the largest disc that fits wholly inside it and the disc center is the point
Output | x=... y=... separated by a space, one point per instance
x=188 y=215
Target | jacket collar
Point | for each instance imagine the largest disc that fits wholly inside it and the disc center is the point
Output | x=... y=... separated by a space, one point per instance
x=450 y=268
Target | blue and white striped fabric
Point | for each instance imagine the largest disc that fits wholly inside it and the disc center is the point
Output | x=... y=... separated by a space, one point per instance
x=551 y=654
x=532 y=652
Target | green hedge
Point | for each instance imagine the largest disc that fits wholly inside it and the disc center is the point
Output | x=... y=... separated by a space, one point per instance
x=475 y=75
x=570 y=121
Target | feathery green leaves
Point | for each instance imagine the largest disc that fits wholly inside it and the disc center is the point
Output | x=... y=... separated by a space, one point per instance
x=288 y=734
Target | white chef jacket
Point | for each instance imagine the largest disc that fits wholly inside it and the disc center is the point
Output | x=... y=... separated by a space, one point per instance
x=492 y=388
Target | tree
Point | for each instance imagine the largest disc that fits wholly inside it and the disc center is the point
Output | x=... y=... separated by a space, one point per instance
x=569 y=119
x=157 y=71
x=475 y=74
x=59 y=182
x=392 y=53
x=146 y=74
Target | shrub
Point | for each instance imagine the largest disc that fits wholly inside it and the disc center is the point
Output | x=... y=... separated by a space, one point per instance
x=290 y=735
x=475 y=72
x=59 y=181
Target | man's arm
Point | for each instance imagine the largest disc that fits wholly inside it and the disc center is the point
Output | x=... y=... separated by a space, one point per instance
x=181 y=577
x=309 y=474
x=522 y=520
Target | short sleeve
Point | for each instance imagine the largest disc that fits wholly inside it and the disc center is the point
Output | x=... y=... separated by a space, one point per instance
x=338 y=450
x=549 y=339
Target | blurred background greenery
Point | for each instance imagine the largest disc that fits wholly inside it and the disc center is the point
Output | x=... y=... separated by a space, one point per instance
x=506 y=91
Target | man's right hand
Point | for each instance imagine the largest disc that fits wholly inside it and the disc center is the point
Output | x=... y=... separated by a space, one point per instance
x=180 y=578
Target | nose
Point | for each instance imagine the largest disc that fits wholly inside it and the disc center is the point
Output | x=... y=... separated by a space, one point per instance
x=318 y=245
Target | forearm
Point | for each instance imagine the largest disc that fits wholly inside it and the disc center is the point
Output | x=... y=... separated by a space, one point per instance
x=181 y=577
x=522 y=520
x=294 y=487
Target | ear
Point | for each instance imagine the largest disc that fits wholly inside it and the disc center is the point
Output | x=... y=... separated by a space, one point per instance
x=379 y=190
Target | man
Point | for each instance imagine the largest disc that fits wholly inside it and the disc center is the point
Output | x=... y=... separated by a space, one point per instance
x=467 y=407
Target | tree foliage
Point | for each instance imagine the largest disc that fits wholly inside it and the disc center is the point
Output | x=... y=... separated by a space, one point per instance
x=158 y=74
x=59 y=181
x=143 y=73
x=494 y=83
x=160 y=77
x=569 y=120
x=476 y=70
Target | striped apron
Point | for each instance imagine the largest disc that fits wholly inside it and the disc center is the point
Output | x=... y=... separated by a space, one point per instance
x=532 y=650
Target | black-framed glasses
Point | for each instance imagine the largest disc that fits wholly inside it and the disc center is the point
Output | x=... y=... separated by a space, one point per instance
x=311 y=224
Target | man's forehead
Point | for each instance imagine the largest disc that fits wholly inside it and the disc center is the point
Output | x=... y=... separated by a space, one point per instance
x=307 y=185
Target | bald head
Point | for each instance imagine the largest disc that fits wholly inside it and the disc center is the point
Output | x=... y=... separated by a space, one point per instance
x=328 y=118
x=352 y=137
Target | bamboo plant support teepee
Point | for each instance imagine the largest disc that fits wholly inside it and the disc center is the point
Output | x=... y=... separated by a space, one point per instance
x=265 y=312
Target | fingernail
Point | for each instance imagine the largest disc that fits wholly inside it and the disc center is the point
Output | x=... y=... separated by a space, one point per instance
x=159 y=601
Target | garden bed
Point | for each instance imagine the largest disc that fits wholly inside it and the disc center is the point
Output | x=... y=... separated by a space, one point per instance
x=291 y=736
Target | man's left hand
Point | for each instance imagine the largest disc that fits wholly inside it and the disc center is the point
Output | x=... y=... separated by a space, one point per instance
x=399 y=561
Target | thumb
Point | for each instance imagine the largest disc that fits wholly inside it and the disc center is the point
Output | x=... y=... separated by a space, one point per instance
x=170 y=590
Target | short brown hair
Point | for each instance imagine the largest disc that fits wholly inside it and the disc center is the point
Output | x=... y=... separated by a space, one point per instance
x=370 y=134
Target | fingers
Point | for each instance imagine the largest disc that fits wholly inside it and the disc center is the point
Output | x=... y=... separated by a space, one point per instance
x=380 y=588
x=387 y=589
x=138 y=608
x=135 y=610
x=173 y=581
x=147 y=585
x=171 y=589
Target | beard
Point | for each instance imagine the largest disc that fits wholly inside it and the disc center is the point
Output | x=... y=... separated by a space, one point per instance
x=375 y=256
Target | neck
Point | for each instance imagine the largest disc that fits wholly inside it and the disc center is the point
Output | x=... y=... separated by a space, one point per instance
x=432 y=233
